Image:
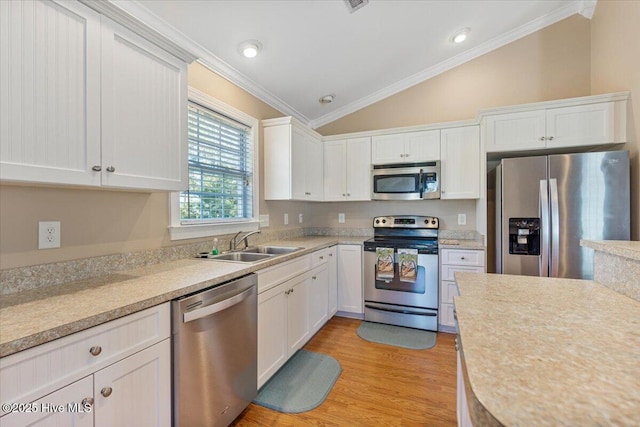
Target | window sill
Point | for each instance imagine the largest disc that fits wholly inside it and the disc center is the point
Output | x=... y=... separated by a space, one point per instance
x=182 y=232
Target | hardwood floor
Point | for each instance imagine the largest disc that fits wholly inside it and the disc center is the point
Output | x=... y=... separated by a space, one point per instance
x=379 y=385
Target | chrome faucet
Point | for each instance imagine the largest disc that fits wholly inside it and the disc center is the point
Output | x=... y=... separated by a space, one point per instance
x=234 y=242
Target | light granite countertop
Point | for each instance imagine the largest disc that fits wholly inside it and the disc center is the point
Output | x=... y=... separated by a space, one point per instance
x=621 y=248
x=548 y=352
x=461 y=244
x=37 y=316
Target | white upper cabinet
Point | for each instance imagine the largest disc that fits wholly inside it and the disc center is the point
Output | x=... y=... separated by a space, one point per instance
x=587 y=121
x=460 y=163
x=347 y=169
x=408 y=147
x=86 y=102
x=293 y=166
x=50 y=85
x=144 y=115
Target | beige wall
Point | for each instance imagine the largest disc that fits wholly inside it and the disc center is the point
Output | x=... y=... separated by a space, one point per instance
x=552 y=63
x=615 y=66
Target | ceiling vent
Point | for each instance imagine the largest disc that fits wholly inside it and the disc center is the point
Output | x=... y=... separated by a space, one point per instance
x=354 y=5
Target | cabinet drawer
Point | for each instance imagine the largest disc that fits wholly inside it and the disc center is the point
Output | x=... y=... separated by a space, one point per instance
x=320 y=257
x=462 y=257
x=35 y=372
x=269 y=277
x=449 y=270
x=448 y=291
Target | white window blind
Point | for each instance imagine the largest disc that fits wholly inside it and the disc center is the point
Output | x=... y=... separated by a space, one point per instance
x=220 y=169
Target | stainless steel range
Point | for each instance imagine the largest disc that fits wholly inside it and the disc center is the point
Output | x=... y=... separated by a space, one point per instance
x=401 y=272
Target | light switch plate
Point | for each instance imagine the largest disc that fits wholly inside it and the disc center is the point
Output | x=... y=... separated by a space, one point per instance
x=286 y=219
x=341 y=218
x=462 y=219
x=300 y=218
x=264 y=220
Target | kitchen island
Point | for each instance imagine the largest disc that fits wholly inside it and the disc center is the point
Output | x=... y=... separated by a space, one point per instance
x=548 y=352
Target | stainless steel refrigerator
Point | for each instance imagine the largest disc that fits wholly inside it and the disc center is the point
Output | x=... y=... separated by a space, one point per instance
x=545 y=205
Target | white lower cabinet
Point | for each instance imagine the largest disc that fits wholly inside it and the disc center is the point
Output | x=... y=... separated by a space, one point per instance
x=293 y=304
x=462 y=407
x=350 y=295
x=451 y=261
x=332 y=279
x=117 y=373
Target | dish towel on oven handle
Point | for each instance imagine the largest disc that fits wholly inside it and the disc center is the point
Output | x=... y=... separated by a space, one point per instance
x=384 y=263
x=408 y=264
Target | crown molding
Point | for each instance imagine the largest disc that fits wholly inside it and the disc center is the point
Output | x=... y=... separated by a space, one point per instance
x=576 y=6
x=206 y=58
x=587 y=8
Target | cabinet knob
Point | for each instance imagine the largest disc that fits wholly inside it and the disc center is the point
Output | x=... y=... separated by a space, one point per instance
x=331 y=255
x=462 y=258
x=106 y=391
x=348 y=194
x=542 y=138
x=550 y=138
x=111 y=169
x=344 y=195
x=95 y=350
x=314 y=277
x=322 y=257
x=87 y=402
x=96 y=168
x=292 y=290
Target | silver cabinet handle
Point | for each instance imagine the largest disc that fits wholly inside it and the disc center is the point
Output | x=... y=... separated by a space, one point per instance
x=343 y=195
x=542 y=138
x=96 y=168
x=87 y=402
x=292 y=290
x=111 y=169
x=314 y=277
x=95 y=350
x=550 y=138
x=106 y=391
x=330 y=255
x=462 y=258
x=322 y=257
x=348 y=194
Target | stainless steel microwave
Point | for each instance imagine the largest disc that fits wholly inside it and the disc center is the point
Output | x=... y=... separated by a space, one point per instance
x=406 y=181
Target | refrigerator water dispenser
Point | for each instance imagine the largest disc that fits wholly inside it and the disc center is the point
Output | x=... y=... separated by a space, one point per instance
x=524 y=236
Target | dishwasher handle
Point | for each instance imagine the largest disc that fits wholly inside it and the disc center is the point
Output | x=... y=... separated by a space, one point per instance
x=217 y=307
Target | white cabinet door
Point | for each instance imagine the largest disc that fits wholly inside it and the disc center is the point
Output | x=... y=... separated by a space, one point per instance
x=144 y=113
x=137 y=390
x=460 y=163
x=358 y=169
x=50 y=86
x=332 y=264
x=297 y=310
x=299 y=171
x=318 y=298
x=589 y=124
x=335 y=169
x=272 y=332
x=350 y=295
x=462 y=408
x=387 y=149
x=516 y=131
x=314 y=169
x=63 y=408
x=422 y=146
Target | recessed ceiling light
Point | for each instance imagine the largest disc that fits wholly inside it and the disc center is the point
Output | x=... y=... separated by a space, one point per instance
x=250 y=48
x=327 y=99
x=460 y=36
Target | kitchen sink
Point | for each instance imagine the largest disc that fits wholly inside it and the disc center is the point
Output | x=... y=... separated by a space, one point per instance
x=273 y=250
x=252 y=254
x=238 y=257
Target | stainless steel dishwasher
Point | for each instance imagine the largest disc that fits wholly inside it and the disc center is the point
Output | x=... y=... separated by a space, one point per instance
x=215 y=353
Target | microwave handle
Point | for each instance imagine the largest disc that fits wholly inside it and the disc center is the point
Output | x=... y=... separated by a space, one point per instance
x=420 y=183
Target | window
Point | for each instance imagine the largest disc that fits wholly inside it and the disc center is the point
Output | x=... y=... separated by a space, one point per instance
x=221 y=196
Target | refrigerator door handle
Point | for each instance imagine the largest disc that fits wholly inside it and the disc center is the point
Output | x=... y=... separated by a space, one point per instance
x=555 y=227
x=544 y=228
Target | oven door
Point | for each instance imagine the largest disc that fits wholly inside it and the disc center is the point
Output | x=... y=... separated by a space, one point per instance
x=422 y=293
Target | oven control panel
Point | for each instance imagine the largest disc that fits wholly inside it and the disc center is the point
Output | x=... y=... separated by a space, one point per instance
x=406 y=221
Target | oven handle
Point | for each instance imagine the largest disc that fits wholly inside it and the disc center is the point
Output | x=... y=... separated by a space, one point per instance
x=375 y=307
x=420 y=183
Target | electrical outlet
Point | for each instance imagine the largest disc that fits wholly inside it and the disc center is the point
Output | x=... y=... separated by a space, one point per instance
x=300 y=218
x=48 y=234
x=462 y=219
x=341 y=218
x=286 y=219
x=264 y=220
